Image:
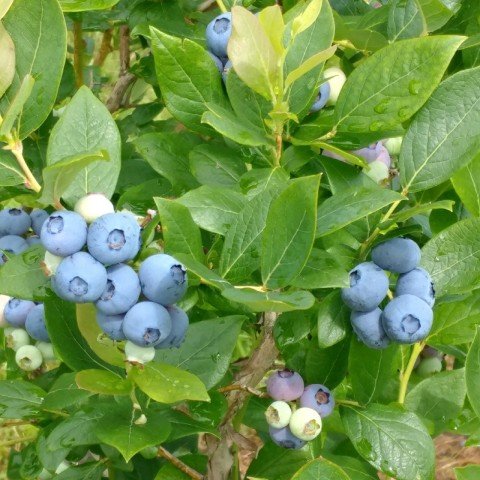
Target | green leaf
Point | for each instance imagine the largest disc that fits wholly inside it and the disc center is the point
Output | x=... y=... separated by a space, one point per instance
x=216 y=165
x=87 y=126
x=103 y=382
x=87 y=471
x=39 y=34
x=207 y=349
x=415 y=67
x=472 y=373
x=58 y=177
x=343 y=177
x=373 y=373
x=466 y=183
x=470 y=472
x=180 y=233
x=405 y=20
x=22 y=276
x=322 y=270
x=187 y=77
x=7 y=60
x=69 y=343
x=351 y=205
x=272 y=22
x=168 y=384
x=120 y=430
x=214 y=209
x=20 y=399
x=410 y=212
x=229 y=125
x=4 y=6
x=252 y=54
x=85 y=5
x=274 y=301
x=320 y=468
x=439 y=398
x=168 y=154
x=184 y=426
x=289 y=232
x=332 y=320
x=436 y=13
x=64 y=393
x=355 y=468
x=306 y=18
x=10 y=173
x=445 y=135
x=453 y=258
x=391 y=440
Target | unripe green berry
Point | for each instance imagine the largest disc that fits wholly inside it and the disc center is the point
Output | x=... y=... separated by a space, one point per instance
x=305 y=424
x=28 y=358
x=278 y=414
x=136 y=354
x=429 y=366
x=93 y=205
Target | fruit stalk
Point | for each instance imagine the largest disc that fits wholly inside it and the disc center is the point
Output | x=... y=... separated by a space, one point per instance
x=405 y=376
x=17 y=150
x=221 y=6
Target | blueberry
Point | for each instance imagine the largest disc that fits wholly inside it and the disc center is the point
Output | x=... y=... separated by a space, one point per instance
x=429 y=366
x=64 y=233
x=278 y=414
x=16 y=338
x=284 y=438
x=416 y=282
x=80 y=278
x=33 y=240
x=28 y=358
x=114 y=238
x=285 y=385
x=112 y=325
x=93 y=205
x=147 y=324
x=14 y=221
x=305 y=423
x=136 y=354
x=35 y=324
x=46 y=349
x=368 y=287
x=16 y=311
x=375 y=153
x=179 y=328
x=322 y=97
x=369 y=329
x=218 y=62
x=398 y=255
x=12 y=244
x=430 y=352
x=407 y=319
x=163 y=279
x=336 y=78
x=38 y=216
x=4 y=299
x=319 y=398
x=122 y=290
x=393 y=145
x=218 y=34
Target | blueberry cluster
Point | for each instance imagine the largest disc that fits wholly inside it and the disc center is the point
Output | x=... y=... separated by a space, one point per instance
x=292 y=427
x=88 y=263
x=408 y=317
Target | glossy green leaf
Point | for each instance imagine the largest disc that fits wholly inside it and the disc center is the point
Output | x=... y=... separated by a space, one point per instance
x=289 y=232
x=466 y=182
x=87 y=126
x=332 y=320
x=407 y=74
x=7 y=59
x=64 y=393
x=273 y=25
x=470 y=472
x=391 y=440
x=87 y=471
x=472 y=373
x=320 y=468
x=4 y=6
x=207 y=349
x=103 y=382
x=10 y=173
x=168 y=384
x=436 y=13
x=20 y=399
x=445 y=135
x=405 y=20
x=306 y=18
x=86 y=5
x=39 y=34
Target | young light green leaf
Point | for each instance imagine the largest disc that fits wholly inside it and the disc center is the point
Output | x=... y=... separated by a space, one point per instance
x=467 y=185
x=4 y=6
x=103 y=382
x=86 y=5
x=252 y=54
x=271 y=20
x=309 y=64
x=7 y=59
x=405 y=20
x=306 y=18
x=472 y=373
x=445 y=135
x=408 y=213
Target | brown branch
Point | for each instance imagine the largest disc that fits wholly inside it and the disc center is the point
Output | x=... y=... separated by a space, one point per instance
x=105 y=48
x=245 y=388
x=220 y=456
x=179 y=464
x=78 y=46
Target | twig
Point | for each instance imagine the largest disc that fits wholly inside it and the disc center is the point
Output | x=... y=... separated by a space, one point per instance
x=405 y=376
x=245 y=388
x=78 y=52
x=30 y=181
x=179 y=464
x=105 y=48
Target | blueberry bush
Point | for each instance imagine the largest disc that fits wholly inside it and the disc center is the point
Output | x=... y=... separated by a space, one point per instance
x=239 y=238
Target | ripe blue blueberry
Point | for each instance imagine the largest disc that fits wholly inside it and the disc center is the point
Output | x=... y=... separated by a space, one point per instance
x=64 y=233
x=179 y=328
x=416 y=282
x=284 y=438
x=163 y=279
x=112 y=325
x=122 y=290
x=375 y=152
x=285 y=385
x=398 y=255
x=12 y=244
x=369 y=329
x=114 y=238
x=14 y=221
x=16 y=311
x=218 y=62
x=322 y=97
x=218 y=34
x=407 y=319
x=80 y=278
x=38 y=216
x=319 y=398
x=147 y=324
x=35 y=324
x=368 y=287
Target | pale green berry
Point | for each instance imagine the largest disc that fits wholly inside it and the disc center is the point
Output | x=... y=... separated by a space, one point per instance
x=136 y=354
x=305 y=424
x=278 y=414
x=93 y=205
x=336 y=78
x=17 y=338
x=393 y=145
x=4 y=299
x=28 y=358
x=47 y=350
x=429 y=366
x=377 y=171
x=51 y=263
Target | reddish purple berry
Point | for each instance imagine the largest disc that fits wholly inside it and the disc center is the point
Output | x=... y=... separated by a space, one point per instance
x=285 y=385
